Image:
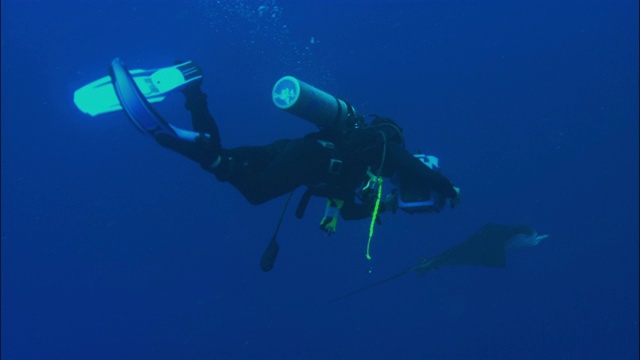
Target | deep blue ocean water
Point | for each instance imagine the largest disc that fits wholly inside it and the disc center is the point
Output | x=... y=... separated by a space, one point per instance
x=116 y=248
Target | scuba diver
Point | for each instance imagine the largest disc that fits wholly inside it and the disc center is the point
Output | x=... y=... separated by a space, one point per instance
x=345 y=161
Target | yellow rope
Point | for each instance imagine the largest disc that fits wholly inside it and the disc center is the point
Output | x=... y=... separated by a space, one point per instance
x=374 y=216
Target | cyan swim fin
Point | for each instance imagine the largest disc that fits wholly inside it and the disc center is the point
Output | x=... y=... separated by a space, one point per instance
x=138 y=109
x=99 y=97
x=134 y=103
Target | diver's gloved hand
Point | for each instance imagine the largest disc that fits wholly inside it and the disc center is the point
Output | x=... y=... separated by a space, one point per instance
x=456 y=200
x=331 y=214
x=328 y=230
x=328 y=225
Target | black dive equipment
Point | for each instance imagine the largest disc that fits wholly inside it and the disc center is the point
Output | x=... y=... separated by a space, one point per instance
x=416 y=198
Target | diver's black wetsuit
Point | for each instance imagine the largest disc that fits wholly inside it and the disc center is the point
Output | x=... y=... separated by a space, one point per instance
x=262 y=173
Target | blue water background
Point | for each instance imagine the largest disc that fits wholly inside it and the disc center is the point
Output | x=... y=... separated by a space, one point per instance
x=116 y=248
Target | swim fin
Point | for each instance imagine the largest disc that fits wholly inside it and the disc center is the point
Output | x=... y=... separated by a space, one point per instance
x=99 y=97
x=139 y=110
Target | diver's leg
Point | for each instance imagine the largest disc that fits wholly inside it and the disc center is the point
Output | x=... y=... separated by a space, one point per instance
x=262 y=173
x=201 y=119
x=200 y=147
x=205 y=148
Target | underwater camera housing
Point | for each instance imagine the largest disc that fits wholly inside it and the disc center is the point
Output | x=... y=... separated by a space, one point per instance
x=417 y=198
x=312 y=104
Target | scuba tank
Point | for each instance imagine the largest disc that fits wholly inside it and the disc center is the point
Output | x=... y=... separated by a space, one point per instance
x=312 y=104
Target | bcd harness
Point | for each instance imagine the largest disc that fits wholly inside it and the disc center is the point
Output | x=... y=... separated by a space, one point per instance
x=332 y=185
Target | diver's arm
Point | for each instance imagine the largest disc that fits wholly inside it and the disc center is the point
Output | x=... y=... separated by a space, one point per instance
x=407 y=165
